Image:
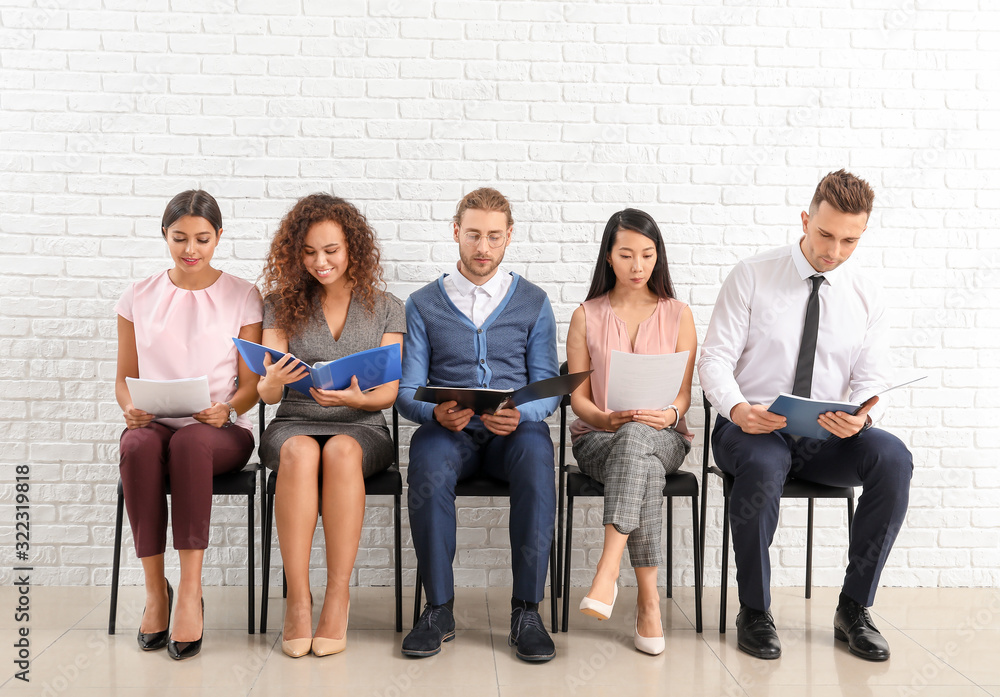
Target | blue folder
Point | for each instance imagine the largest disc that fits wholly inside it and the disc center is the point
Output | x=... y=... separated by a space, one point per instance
x=373 y=367
x=802 y=414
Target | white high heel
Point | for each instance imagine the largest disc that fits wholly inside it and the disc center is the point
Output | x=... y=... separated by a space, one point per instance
x=653 y=645
x=595 y=608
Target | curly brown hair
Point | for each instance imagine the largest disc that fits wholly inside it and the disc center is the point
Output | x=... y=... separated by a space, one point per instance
x=291 y=288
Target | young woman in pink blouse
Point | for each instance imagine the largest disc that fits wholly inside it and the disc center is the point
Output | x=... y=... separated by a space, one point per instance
x=179 y=323
x=630 y=307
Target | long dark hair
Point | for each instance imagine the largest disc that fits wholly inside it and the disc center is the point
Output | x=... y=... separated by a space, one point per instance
x=196 y=202
x=636 y=221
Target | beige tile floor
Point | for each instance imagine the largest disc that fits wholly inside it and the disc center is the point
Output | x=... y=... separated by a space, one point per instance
x=944 y=642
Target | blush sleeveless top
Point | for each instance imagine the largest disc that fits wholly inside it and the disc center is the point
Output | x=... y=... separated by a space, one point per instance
x=607 y=332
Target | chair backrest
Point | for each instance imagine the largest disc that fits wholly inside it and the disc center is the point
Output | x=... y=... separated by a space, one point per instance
x=563 y=405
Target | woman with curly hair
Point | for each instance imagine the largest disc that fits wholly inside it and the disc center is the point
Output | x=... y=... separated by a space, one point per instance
x=324 y=299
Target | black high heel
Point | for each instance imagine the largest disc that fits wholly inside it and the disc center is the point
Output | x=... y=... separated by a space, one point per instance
x=151 y=641
x=179 y=650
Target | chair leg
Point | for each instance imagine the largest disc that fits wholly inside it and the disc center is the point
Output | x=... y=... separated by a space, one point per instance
x=725 y=565
x=670 y=547
x=396 y=520
x=695 y=544
x=704 y=512
x=417 y=592
x=265 y=552
x=809 y=551
x=284 y=583
x=559 y=520
x=116 y=564
x=850 y=519
x=251 y=576
x=567 y=556
x=553 y=593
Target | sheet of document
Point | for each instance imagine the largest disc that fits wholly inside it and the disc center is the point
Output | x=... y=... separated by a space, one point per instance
x=170 y=398
x=640 y=381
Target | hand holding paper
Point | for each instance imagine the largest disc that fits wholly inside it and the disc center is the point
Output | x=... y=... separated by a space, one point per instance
x=137 y=418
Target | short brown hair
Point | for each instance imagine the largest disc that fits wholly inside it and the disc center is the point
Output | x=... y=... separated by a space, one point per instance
x=484 y=199
x=845 y=192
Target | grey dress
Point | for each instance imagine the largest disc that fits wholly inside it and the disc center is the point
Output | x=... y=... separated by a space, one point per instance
x=300 y=415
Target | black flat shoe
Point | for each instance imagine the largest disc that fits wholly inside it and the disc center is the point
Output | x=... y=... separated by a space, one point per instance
x=527 y=633
x=853 y=624
x=435 y=626
x=756 y=635
x=151 y=641
x=179 y=650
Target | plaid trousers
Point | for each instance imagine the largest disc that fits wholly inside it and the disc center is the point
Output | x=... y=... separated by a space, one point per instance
x=632 y=463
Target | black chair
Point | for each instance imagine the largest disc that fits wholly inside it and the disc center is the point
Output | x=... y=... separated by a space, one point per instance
x=482 y=485
x=577 y=484
x=385 y=483
x=241 y=483
x=793 y=489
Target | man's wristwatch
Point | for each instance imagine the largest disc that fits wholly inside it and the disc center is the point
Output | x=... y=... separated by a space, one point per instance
x=868 y=424
x=232 y=414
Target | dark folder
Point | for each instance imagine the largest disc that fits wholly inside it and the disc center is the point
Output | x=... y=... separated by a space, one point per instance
x=486 y=401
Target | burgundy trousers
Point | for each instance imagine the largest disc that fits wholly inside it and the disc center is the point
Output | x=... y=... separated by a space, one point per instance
x=188 y=458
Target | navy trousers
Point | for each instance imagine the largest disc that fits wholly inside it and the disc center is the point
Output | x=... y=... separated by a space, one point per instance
x=875 y=460
x=440 y=458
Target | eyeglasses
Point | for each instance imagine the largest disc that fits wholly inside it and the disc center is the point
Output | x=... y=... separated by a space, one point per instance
x=495 y=239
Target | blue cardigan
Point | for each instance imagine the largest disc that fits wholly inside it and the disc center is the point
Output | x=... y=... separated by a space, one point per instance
x=516 y=345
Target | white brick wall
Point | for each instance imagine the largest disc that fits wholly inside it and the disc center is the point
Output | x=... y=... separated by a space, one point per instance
x=716 y=117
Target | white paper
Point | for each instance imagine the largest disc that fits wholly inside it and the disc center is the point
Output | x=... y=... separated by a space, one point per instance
x=170 y=398
x=644 y=381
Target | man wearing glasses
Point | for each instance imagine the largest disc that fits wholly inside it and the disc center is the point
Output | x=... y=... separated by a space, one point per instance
x=489 y=328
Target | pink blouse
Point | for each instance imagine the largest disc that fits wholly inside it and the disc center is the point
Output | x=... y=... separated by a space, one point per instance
x=186 y=333
x=607 y=332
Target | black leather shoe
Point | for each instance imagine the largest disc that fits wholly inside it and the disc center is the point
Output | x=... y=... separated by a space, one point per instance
x=151 y=641
x=435 y=626
x=179 y=650
x=756 y=635
x=853 y=624
x=527 y=633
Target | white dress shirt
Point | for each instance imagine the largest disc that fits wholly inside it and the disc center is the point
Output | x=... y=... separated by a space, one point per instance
x=477 y=302
x=753 y=339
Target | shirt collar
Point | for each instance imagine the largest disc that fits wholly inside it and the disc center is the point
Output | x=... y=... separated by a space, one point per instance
x=464 y=286
x=805 y=269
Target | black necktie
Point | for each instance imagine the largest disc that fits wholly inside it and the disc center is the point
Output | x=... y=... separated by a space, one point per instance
x=802 y=387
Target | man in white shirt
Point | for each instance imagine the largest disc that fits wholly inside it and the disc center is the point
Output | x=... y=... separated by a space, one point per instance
x=799 y=320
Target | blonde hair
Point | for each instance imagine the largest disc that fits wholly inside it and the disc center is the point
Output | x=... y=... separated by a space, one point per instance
x=484 y=199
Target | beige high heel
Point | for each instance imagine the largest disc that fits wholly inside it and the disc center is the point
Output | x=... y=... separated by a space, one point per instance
x=297 y=648
x=324 y=646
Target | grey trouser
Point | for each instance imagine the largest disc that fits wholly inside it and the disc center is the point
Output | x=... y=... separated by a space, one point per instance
x=632 y=463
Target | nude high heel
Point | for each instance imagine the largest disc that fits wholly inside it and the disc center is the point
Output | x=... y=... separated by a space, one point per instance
x=324 y=646
x=297 y=648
